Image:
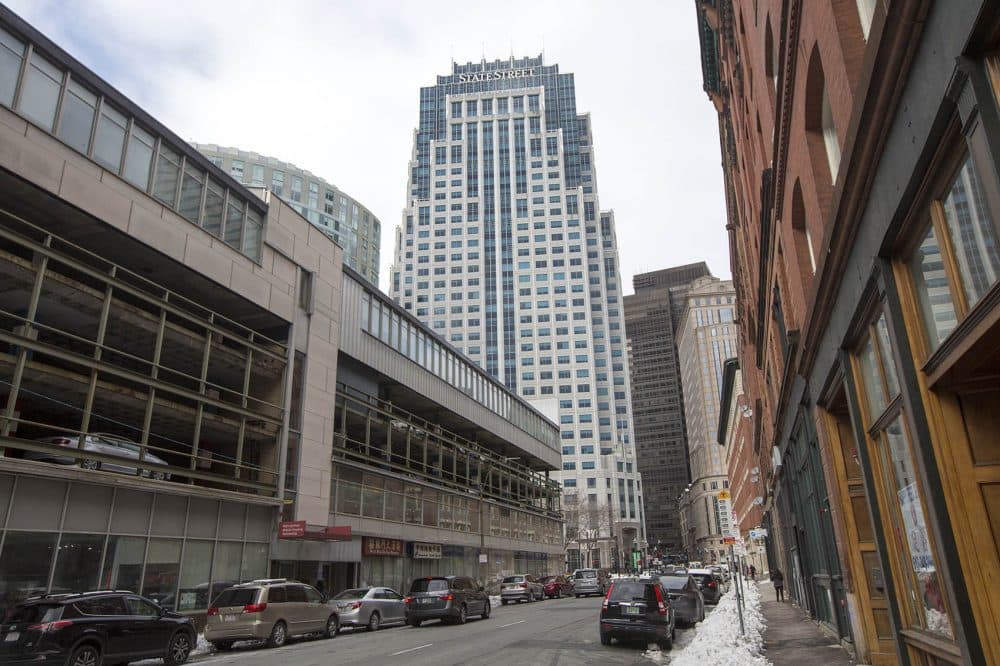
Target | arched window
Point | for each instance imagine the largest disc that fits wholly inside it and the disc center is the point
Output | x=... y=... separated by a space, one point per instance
x=770 y=56
x=805 y=255
x=866 y=12
x=821 y=132
x=830 y=139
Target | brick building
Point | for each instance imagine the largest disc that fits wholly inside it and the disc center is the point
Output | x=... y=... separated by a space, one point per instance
x=860 y=144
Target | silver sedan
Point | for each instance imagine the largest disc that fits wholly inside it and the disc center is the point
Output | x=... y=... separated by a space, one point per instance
x=370 y=607
x=111 y=445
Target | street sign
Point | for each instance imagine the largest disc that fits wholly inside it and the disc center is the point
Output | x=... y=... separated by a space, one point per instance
x=758 y=533
x=728 y=540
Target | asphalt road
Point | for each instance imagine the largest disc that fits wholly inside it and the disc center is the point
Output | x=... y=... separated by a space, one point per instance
x=556 y=631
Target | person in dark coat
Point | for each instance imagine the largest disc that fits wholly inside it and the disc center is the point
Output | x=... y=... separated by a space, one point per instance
x=778 y=580
x=753 y=572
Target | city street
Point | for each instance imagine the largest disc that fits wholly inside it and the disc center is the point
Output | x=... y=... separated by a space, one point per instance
x=557 y=631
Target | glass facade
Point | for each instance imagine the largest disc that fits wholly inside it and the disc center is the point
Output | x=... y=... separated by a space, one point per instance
x=498 y=255
x=54 y=100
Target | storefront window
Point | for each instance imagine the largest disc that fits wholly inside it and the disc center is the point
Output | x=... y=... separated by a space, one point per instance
x=228 y=555
x=78 y=563
x=254 y=561
x=196 y=572
x=24 y=566
x=973 y=234
x=372 y=497
x=163 y=566
x=911 y=533
x=885 y=421
x=123 y=563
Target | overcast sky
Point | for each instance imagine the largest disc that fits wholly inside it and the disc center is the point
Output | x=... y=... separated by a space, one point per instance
x=333 y=87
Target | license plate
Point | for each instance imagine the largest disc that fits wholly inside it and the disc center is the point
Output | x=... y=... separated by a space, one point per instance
x=426 y=600
x=12 y=636
x=229 y=618
x=631 y=610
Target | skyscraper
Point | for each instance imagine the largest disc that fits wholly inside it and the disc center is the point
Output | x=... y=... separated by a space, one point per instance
x=505 y=252
x=706 y=338
x=652 y=315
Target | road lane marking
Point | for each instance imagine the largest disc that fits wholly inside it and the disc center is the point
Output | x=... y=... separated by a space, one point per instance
x=411 y=649
x=511 y=624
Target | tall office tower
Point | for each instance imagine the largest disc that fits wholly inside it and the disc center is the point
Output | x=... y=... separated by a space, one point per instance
x=504 y=251
x=651 y=318
x=340 y=216
x=706 y=338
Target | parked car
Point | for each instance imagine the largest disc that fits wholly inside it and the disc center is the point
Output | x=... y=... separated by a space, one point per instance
x=111 y=445
x=204 y=594
x=637 y=608
x=370 y=607
x=709 y=583
x=589 y=581
x=522 y=587
x=685 y=597
x=557 y=586
x=269 y=610
x=721 y=571
x=446 y=598
x=91 y=628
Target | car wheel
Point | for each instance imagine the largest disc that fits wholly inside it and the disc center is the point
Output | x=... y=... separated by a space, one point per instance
x=578 y=596
x=179 y=649
x=279 y=634
x=486 y=611
x=332 y=627
x=222 y=646
x=160 y=476
x=665 y=643
x=85 y=655
x=90 y=464
x=605 y=639
x=463 y=615
x=414 y=623
x=503 y=602
x=374 y=621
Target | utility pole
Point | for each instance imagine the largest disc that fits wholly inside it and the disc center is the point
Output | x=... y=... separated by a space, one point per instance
x=737 y=574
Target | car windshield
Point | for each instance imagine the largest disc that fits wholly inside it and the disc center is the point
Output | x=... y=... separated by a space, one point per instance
x=674 y=582
x=429 y=585
x=514 y=579
x=358 y=593
x=549 y=579
x=33 y=613
x=237 y=596
x=633 y=591
x=585 y=574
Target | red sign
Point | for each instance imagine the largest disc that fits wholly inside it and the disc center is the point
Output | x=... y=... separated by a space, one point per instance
x=291 y=529
x=338 y=533
x=381 y=546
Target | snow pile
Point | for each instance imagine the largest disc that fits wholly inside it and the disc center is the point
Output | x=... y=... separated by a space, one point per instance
x=717 y=640
x=494 y=601
x=203 y=646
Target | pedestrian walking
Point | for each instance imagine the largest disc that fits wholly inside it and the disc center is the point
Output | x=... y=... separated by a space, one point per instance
x=778 y=580
x=753 y=572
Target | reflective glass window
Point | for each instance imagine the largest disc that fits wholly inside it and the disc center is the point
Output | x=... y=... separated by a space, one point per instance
x=110 y=138
x=139 y=157
x=40 y=95
x=78 y=109
x=11 y=56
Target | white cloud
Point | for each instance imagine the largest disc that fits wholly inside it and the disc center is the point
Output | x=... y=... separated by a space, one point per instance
x=334 y=88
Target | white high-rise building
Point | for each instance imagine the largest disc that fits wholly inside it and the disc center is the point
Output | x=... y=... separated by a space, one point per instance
x=505 y=252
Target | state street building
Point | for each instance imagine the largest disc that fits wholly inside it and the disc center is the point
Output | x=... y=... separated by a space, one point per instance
x=504 y=251
x=196 y=391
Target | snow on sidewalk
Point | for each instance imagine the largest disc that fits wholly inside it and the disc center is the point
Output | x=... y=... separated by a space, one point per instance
x=717 y=640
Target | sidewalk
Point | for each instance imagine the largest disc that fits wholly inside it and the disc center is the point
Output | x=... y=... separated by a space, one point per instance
x=792 y=639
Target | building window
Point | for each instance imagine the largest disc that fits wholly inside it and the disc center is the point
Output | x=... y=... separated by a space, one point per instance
x=957 y=260
x=890 y=445
x=866 y=12
x=830 y=136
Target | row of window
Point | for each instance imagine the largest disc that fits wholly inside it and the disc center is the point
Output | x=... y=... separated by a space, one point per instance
x=53 y=99
x=516 y=105
x=382 y=321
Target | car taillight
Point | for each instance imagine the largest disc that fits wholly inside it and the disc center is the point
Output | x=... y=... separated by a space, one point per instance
x=47 y=627
x=447 y=597
x=254 y=608
x=660 y=606
x=62 y=441
x=355 y=605
x=523 y=586
x=711 y=583
x=214 y=610
x=408 y=600
x=608 y=596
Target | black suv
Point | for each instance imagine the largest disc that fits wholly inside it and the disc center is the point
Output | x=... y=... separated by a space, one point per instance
x=637 y=608
x=448 y=598
x=93 y=628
